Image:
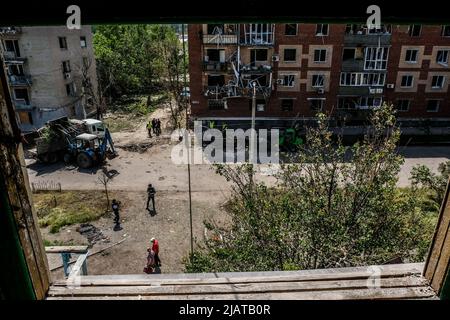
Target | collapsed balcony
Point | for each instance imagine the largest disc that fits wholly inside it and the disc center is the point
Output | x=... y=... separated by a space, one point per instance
x=258 y=34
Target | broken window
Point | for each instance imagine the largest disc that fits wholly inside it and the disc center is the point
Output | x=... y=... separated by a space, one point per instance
x=316 y=104
x=66 y=66
x=349 y=54
x=13 y=47
x=290 y=55
x=322 y=30
x=216 y=80
x=215 y=28
x=446 y=31
x=287 y=104
x=407 y=81
x=411 y=55
x=288 y=80
x=62 y=42
x=83 y=42
x=318 y=80
x=70 y=89
x=258 y=55
x=437 y=82
x=290 y=29
x=376 y=58
x=215 y=55
x=442 y=57
x=347 y=103
x=415 y=30
x=22 y=95
x=403 y=105
x=260 y=80
x=320 y=55
x=433 y=105
x=15 y=69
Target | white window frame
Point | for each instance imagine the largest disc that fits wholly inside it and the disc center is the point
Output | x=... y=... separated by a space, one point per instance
x=445 y=53
x=321 y=34
x=320 y=61
x=442 y=82
x=443 y=31
x=412 y=81
x=366 y=102
x=362 y=79
x=318 y=83
x=377 y=57
x=407 y=106
x=291 y=79
x=416 y=55
x=410 y=30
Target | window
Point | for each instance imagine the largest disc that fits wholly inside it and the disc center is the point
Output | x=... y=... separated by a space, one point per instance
x=349 y=54
x=442 y=57
x=320 y=55
x=433 y=105
x=411 y=55
x=370 y=102
x=437 y=82
x=362 y=79
x=215 y=55
x=316 y=104
x=216 y=80
x=403 y=105
x=290 y=55
x=287 y=104
x=446 y=31
x=415 y=30
x=62 y=42
x=83 y=42
x=215 y=28
x=322 y=30
x=407 y=81
x=347 y=103
x=290 y=29
x=216 y=104
x=22 y=96
x=15 y=69
x=318 y=80
x=288 y=80
x=66 y=66
x=376 y=58
x=13 y=47
x=70 y=89
x=258 y=55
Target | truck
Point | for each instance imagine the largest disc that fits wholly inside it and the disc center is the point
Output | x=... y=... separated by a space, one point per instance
x=86 y=142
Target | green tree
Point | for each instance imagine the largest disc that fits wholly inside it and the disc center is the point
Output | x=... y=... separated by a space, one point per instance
x=337 y=206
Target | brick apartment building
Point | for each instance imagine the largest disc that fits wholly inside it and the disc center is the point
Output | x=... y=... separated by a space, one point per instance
x=48 y=70
x=298 y=69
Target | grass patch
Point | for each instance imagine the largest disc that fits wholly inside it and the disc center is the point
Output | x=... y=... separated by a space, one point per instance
x=58 y=209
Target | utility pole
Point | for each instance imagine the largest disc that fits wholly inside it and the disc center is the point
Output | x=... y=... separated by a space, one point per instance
x=252 y=156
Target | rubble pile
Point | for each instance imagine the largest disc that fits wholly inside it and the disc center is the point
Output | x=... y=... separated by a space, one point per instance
x=92 y=233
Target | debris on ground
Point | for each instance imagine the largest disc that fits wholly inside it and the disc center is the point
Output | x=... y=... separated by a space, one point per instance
x=92 y=234
x=141 y=147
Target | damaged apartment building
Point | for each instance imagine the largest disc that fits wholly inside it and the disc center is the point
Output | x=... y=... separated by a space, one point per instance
x=296 y=70
x=51 y=73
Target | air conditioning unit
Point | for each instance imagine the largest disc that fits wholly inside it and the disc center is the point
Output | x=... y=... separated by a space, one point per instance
x=275 y=58
x=280 y=81
x=379 y=90
x=390 y=86
x=66 y=75
x=321 y=91
x=372 y=91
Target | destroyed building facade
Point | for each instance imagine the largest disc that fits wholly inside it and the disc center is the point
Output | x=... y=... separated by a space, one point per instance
x=299 y=69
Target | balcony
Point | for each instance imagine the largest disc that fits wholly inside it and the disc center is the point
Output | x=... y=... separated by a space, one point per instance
x=353 y=65
x=370 y=39
x=22 y=104
x=10 y=30
x=23 y=80
x=219 y=39
x=11 y=56
x=360 y=90
x=215 y=66
x=258 y=35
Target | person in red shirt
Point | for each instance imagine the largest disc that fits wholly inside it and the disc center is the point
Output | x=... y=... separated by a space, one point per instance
x=155 y=248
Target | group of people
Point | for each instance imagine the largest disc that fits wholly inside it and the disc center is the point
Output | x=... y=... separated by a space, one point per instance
x=154 y=126
x=153 y=260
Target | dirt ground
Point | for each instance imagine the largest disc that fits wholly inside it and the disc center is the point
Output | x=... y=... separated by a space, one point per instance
x=170 y=226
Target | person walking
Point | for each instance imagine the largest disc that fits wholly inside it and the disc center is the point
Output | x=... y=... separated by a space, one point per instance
x=155 y=249
x=151 y=196
x=154 y=124
x=149 y=128
x=115 y=207
x=158 y=127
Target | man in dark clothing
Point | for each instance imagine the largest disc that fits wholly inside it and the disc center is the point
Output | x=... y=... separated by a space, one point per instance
x=154 y=125
x=115 y=207
x=151 y=196
x=158 y=127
